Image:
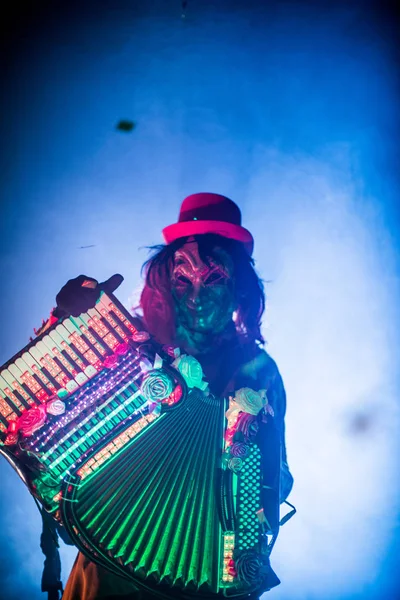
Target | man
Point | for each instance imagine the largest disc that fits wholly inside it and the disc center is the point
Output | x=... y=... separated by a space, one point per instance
x=201 y=294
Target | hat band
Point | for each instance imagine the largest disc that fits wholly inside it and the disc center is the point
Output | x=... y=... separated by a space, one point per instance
x=213 y=212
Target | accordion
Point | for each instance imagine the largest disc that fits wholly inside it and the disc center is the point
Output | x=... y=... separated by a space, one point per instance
x=154 y=477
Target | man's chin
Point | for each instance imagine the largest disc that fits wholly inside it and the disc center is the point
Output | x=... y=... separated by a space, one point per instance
x=193 y=327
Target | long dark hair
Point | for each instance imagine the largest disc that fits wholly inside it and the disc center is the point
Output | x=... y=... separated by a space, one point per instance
x=156 y=299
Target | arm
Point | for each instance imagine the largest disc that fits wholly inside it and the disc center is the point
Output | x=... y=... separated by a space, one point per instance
x=277 y=399
x=277 y=480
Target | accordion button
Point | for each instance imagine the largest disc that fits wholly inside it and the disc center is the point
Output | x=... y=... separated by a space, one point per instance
x=90 y=371
x=72 y=386
x=81 y=378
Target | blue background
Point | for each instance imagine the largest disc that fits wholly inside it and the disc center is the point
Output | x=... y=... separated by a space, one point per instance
x=290 y=109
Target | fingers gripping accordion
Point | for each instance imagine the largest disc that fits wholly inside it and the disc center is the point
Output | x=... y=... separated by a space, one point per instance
x=153 y=476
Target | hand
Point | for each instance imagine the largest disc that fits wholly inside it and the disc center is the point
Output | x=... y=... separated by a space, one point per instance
x=82 y=293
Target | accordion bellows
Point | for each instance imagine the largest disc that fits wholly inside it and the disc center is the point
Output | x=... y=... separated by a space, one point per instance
x=155 y=510
x=153 y=476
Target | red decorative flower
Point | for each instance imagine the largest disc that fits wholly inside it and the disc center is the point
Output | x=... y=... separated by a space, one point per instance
x=111 y=361
x=11 y=439
x=121 y=349
x=231 y=568
x=170 y=350
x=174 y=397
x=247 y=424
x=31 y=420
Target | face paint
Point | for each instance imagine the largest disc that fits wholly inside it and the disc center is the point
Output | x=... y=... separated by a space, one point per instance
x=203 y=294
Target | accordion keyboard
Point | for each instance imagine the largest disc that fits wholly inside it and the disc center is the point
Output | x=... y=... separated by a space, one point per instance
x=63 y=360
x=72 y=397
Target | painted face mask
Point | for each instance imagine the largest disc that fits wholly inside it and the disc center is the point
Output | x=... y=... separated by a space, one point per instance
x=203 y=294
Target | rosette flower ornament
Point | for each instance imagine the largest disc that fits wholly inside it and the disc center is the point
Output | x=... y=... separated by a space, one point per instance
x=11 y=439
x=31 y=420
x=236 y=455
x=191 y=370
x=247 y=425
x=111 y=362
x=231 y=568
x=174 y=397
x=12 y=433
x=250 y=401
x=121 y=349
x=247 y=401
x=235 y=464
x=157 y=386
x=239 y=450
x=251 y=567
x=242 y=413
x=55 y=406
x=140 y=336
x=171 y=351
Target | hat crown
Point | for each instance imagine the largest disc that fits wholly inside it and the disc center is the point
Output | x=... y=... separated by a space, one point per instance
x=209 y=207
x=206 y=213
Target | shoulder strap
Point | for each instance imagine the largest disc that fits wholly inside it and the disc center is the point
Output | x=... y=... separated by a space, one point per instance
x=289 y=515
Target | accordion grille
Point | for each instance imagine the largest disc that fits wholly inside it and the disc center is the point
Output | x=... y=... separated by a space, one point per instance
x=154 y=509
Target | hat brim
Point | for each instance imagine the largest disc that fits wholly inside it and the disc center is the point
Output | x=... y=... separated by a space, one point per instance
x=227 y=230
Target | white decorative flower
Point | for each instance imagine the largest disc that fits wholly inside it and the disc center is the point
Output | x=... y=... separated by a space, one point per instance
x=55 y=407
x=191 y=370
x=250 y=401
x=235 y=464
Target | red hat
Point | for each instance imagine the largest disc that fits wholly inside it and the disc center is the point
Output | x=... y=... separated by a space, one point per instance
x=209 y=213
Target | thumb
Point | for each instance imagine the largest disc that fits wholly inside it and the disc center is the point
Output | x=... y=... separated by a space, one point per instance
x=111 y=284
